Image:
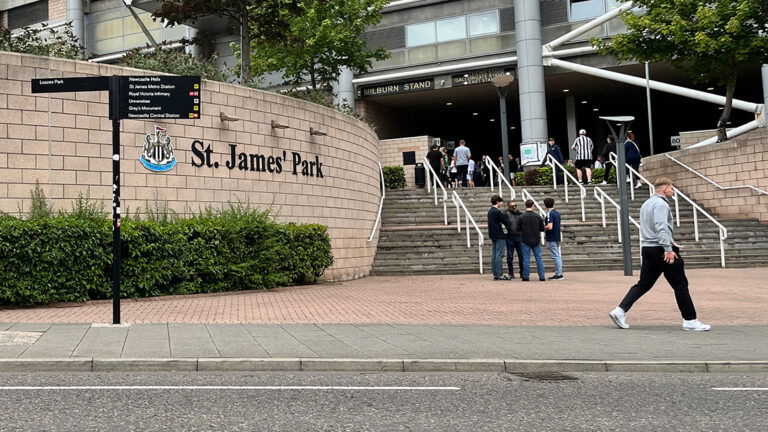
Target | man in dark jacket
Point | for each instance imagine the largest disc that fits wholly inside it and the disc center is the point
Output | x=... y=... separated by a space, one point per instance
x=497 y=227
x=610 y=147
x=531 y=226
x=435 y=159
x=554 y=151
x=513 y=238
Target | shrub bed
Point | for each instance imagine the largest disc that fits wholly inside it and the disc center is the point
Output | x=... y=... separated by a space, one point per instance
x=68 y=257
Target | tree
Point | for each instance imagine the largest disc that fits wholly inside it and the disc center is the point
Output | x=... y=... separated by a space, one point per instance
x=708 y=40
x=318 y=39
x=42 y=41
x=189 y=11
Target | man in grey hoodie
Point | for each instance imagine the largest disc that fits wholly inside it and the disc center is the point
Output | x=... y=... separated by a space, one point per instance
x=660 y=255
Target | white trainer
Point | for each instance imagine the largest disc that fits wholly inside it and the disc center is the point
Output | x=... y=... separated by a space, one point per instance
x=695 y=325
x=619 y=318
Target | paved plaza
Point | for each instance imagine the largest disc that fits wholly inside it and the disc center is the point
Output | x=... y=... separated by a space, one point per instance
x=440 y=320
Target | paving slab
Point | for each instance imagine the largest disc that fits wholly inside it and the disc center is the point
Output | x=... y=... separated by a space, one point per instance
x=59 y=341
x=147 y=341
x=104 y=342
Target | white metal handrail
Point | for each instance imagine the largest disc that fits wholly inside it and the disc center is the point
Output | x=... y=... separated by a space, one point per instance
x=758 y=190
x=582 y=190
x=470 y=220
x=432 y=185
x=527 y=196
x=601 y=196
x=651 y=190
x=381 y=203
x=632 y=174
x=723 y=230
x=491 y=168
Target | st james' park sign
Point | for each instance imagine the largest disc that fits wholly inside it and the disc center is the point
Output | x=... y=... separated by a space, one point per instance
x=158 y=155
x=202 y=155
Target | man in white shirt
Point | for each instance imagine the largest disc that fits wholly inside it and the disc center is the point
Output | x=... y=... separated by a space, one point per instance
x=583 y=147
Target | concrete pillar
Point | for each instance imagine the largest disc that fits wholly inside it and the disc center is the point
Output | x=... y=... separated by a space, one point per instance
x=344 y=90
x=194 y=50
x=530 y=71
x=765 y=94
x=570 y=116
x=76 y=14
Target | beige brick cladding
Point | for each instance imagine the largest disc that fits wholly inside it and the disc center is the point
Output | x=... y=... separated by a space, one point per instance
x=392 y=154
x=740 y=161
x=77 y=157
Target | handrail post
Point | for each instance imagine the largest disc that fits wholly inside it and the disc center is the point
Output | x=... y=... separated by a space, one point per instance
x=695 y=224
x=722 y=249
x=466 y=217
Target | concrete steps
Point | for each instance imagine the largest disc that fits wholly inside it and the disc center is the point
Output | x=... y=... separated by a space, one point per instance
x=413 y=239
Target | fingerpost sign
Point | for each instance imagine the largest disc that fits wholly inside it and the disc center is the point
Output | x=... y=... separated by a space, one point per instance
x=131 y=97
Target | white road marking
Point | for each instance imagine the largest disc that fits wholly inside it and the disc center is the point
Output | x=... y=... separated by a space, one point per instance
x=740 y=388
x=220 y=388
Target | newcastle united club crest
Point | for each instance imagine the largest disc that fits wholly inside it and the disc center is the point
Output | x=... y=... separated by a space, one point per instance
x=158 y=151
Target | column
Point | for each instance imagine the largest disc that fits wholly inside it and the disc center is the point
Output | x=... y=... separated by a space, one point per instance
x=344 y=90
x=570 y=115
x=76 y=15
x=530 y=71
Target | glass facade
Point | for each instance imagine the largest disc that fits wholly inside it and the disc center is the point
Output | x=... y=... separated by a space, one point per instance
x=452 y=29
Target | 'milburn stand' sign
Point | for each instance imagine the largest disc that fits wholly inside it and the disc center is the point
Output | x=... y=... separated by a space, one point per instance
x=134 y=97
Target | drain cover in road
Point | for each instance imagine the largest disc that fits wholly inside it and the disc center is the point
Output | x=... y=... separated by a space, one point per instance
x=545 y=376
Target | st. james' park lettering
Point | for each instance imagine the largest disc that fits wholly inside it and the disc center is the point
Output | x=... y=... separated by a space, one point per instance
x=296 y=164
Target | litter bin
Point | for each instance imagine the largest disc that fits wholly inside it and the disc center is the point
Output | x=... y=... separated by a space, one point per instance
x=419 y=174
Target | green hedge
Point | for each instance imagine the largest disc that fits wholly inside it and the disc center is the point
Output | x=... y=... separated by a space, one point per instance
x=394 y=177
x=543 y=176
x=69 y=257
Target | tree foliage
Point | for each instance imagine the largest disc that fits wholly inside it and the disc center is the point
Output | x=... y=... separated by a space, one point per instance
x=235 y=12
x=42 y=41
x=709 y=40
x=175 y=61
x=317 y=39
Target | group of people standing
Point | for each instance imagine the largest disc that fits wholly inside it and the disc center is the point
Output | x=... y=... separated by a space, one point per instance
x=520 y=232
x=584 y=149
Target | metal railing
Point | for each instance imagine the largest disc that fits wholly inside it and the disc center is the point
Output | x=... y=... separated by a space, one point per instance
x=491 y=168
x=758 y=190
x=582 y=190
x=469 y=220
x=432 y=182
x=381 y=203
x=651 y=190
x=632 y=174
x=601 y=196
x=527 y=196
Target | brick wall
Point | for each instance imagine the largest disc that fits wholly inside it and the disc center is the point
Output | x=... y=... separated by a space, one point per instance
x=740 y=161
x=57 y=9
x=392 y=154
x=71 y=155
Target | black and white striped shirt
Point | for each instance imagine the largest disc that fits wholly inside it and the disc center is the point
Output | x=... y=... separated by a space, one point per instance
x=583 y=147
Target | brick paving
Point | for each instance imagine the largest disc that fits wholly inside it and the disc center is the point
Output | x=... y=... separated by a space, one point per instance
x=722 y=297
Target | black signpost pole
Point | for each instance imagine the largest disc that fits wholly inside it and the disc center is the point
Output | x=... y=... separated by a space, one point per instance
x=114 y=114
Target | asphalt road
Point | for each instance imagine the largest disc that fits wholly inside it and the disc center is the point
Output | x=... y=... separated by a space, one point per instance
x=383 y=402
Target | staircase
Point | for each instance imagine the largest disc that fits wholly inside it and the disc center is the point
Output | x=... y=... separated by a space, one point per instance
x=414 y=240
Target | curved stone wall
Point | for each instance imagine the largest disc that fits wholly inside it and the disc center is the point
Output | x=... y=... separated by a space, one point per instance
x=64 y=142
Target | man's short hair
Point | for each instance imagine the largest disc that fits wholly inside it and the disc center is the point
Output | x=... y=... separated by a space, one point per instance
x=549 y=203
x=434 y=146
x=662 y=181
x=496 y=199
x=529 y=204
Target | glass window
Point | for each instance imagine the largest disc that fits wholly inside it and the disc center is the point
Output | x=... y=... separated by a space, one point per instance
x=451 y=29
x=583 y=9
x=484 y=23
x=420 y=34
